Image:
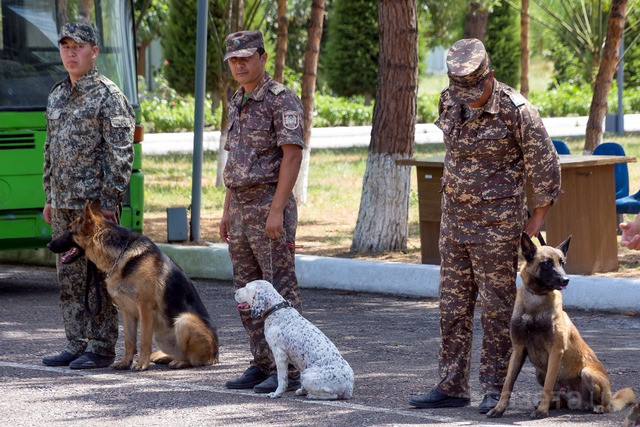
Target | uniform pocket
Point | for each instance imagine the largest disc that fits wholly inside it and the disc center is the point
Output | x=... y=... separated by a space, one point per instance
x=120 y=122
x=501 y=203
x=258 y=135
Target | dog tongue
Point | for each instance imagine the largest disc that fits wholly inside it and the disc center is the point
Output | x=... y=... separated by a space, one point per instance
x=243 y=306
x=69 y=254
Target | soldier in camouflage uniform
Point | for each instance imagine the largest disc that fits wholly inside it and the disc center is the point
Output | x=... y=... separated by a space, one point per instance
x=88 y=154
x=495 y=141
x=260 y=214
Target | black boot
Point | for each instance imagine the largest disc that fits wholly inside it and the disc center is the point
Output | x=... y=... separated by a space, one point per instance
x=271 y=384
x=250 y=378
x=62 y=359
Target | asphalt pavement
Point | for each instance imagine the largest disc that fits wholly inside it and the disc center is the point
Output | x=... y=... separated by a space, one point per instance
x=390 y=341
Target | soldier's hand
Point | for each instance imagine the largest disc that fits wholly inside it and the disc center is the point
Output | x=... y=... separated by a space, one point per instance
x=274 y=227
x=46 y=213
x=630 y=235
x=224 y=227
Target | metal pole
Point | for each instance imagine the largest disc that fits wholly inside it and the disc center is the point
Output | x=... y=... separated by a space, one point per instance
x=620 y=115
x=198 y=126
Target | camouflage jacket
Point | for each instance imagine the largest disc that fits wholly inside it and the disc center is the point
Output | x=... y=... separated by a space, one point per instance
x=89 y=147
x=488 y=159
x=270 y=117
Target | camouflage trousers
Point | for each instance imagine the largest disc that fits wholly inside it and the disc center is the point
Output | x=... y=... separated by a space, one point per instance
x=255 y=256
x=96 y=334
x=466 y=271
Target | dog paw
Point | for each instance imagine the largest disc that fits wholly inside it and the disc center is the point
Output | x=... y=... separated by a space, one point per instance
x=179 y=364
x=139 y=366
x=274 y=395
x=301 y=392
x=539 y=414
x=598 y=409
x=120 y=365
x=494 y=413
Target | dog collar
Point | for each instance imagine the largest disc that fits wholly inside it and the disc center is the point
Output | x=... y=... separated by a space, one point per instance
x=118 y=260
x=283 y=304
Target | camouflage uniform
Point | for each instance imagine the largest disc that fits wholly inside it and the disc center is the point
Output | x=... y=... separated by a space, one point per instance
x=490 y=152
x=88 y=154
x=270 y=117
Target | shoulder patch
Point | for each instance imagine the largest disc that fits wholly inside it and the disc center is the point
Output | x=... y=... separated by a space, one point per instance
x=111 y=86
x=516 y=98
x=291 y=119
x=276 y=89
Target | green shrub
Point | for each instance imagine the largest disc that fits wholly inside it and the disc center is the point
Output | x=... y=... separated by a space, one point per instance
x=427 y=108
x=335 y=111
x=166 y=111
x=569 y=99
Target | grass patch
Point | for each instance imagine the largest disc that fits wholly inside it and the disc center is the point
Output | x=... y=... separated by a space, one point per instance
x=326 y=222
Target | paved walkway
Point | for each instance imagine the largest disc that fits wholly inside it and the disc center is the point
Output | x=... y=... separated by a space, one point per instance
x=360 y=136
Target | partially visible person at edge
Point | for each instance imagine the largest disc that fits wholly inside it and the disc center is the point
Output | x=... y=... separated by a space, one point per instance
x=260 y=215
x=495 y=141
x=631 y=234
x=87 y=154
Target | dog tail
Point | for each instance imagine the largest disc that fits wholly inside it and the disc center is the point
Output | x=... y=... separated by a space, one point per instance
x=622 y=398
x=198 y=341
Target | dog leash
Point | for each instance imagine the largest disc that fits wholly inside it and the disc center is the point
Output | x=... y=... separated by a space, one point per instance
x=539 y=236
x=92 y=273
x=281 y=242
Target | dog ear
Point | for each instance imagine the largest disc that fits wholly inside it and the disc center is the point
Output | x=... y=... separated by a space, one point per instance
x=259 y=299
x=96 y=207
x=87 y=212
x=564 y=246
x=528 y=247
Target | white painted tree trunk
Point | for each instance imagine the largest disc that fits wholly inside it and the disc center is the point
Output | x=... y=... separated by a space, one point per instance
x=222 y=158
x=384 y=207
x=300 y=189
x=383 y=218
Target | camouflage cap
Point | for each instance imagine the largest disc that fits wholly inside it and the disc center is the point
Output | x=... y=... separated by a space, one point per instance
x=243 y=44
x=80 y=33
x=468 y=65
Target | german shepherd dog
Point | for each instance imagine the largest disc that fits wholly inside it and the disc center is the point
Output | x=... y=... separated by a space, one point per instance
x=566 y=367
x=148 y=287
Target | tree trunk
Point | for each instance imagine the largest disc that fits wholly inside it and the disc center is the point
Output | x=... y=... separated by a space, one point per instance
x=308 y=94
x=524 y=48
x=384 y=206
x=142 y=57
x=475 y=23
x=281 y=45
x=602 y=86
x=234 y=22
x=227 y=93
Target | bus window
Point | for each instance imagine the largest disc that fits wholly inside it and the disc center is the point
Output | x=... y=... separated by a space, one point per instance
x=30 y=66
x=29 y=58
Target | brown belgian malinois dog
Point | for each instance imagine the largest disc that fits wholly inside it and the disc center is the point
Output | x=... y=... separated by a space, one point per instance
x=150 y=290
x=566 y=367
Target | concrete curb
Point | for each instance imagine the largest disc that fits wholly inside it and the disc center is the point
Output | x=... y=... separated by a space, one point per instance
x=620 y=295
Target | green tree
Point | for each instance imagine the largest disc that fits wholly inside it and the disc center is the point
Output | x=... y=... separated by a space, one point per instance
x=503 y=43
x=351 y=55
x=151 y=16
x=179 y=45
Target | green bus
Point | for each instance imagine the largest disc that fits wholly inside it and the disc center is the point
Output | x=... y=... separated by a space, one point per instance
x=30 y=65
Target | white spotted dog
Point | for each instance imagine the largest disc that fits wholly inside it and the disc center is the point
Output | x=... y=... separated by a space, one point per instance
x=324 y=374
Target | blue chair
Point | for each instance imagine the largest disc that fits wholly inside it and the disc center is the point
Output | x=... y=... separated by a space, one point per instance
x=561 y=147
x=629 y=204
x=621 y=171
